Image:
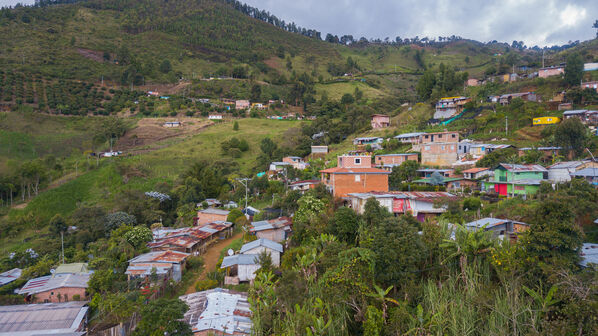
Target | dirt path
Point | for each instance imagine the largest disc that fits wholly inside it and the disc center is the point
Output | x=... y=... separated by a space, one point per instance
x=210 y=259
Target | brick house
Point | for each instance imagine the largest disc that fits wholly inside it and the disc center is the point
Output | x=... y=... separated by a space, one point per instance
x=242 y=104
x=412 y=138
x=389 y=160
x=439 y=148
x=62 y=287
x=551 y=71
x=354 y=173
x=450 y=106
x=590 y=85
x=380 y=121
x=210 y=215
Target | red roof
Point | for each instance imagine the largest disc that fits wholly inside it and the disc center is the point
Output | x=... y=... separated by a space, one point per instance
x=337 y=170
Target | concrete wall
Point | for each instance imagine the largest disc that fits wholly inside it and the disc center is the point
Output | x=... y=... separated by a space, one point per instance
x=247 y=272
x=439 y=154
x=440 y=137
x=276 y=235
x=275 y=255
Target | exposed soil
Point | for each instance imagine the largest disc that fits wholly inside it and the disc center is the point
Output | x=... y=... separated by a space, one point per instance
x=95 y=55
x=151 y=130
x=210 y=259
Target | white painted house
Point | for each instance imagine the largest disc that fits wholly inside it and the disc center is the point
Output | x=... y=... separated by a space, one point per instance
x=241 y=268
x=256 y=247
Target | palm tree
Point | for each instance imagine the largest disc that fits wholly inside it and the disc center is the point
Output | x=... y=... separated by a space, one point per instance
x=381 y=295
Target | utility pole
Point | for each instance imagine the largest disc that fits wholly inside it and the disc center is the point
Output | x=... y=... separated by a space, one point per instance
x=62 y=243
x=543 y=57
x=593 y=161
x=244 y=182
x=506 y=125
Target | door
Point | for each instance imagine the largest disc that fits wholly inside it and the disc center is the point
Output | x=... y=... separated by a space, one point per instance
x=502 y=189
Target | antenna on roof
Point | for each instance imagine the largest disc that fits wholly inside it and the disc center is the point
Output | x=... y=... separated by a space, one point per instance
x=230 y=252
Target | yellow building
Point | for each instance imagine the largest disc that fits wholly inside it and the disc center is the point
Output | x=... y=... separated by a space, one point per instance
x=546 y=121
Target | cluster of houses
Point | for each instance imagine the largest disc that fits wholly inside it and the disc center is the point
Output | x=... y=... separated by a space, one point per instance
x=270 y=234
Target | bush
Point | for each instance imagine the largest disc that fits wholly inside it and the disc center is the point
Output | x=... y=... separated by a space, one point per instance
x=206 y=284
x=194 y=262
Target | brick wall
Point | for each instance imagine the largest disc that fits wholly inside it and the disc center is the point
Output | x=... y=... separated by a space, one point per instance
x=66 y=294
x=398 y=159
x=205 y=218
x=346 y=183
x=354 y=161
x=439 y=154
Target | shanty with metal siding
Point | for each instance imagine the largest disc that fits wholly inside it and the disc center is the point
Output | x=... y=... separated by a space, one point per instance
x=66 y=318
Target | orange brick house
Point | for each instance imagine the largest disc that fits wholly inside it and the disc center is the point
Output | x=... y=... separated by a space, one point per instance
x=56 y=288
x=210 y=215
x=394 y=159
x=353 y=174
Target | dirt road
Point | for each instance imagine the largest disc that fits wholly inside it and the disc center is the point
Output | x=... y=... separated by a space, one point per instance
x=210 y=259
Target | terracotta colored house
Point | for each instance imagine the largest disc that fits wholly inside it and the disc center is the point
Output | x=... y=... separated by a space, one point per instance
x=242 y=104
x=590 y=85
x=380 y=121
x=296 y=161
x=385 y=160
x=210 y=215
x=56 y=288
x=165 y=264
x=354 y=173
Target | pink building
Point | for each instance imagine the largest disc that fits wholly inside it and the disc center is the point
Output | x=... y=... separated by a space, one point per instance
x=394 y=159
x=551 y=71
x=439 y=137
x=380 y=121
x=242 y=104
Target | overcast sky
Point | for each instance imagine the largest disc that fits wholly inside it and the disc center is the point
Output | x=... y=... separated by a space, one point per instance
x=536 y=22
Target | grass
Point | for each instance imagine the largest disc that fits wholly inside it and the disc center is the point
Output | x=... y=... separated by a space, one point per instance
x=337 y=90
x=235 y=245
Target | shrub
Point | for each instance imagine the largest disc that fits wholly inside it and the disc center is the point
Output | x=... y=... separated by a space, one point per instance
x=206 y=284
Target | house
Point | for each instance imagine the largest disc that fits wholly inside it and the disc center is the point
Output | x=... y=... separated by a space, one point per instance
x=363 y=142
x=240 y=268
x=412 y=138
x=62 y=287
x=211 y=202
x=67 y=318
x=590 y=66
x=278 y=166
x=10 y=276
x=465 y=162
x=565 y=106
x=477 y=173
x=230 y=205
x=507 y=98
x=590 y=85
x=419 y=203
x=546 y=121
x=258 y=246
x=277 y=230
x=589 y=174
x=450 y=106
x=548 y=153
x=551 y=71
x=473 y=82
x=385 y=160
x=215 y=116
x=501 y=228
x=427 y=172
x=380 y=121
x=192 y=240
x=561 y=171
x=296 y=161
x=481 y=150
x=210 y=215
x=319 y=152
x=218 y=311
x=250 y=211
x=589 y=254
x=242 y=104
x=170 y=124
x=164 y=264
x=440 y=137
x=515 y=179
x=586 y=117
x=439 y=154
x=259 y=106
x=303 y=186
x=354 y=173
x=451 y=183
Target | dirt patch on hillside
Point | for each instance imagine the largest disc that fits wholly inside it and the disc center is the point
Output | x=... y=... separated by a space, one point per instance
x=530 y=133
x=95 y=55
x=152 y=130
x=273 y=62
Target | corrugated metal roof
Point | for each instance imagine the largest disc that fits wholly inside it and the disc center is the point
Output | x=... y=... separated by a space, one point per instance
x=55 y=281
x=586 y=172
x=10 y=276
x=419 y=195
x=489 y=222
x=42 y=319
x=239 y=259
x=262 y=242
x=399 y=154
x=280 y=222
x=409 y=135
x=213 y=211
x=337 y=170
x=566 y=165
x=169 y=257
x=523 y=168
x=220 y=310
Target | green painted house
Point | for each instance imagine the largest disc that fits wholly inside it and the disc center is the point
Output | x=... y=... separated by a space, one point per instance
x=515 y=179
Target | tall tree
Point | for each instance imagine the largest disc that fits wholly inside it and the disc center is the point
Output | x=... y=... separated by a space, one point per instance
x=571 y=135
x=574 y=69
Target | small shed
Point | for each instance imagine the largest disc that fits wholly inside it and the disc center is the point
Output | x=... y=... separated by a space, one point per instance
x=274 y=249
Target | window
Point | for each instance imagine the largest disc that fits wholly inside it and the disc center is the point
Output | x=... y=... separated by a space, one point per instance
x=427 y=136
x=427 y=148
x=440 y=135
x=357 y=178
x=453 y=135
x=452 y=148
x=357 y=161
x=442 y=147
